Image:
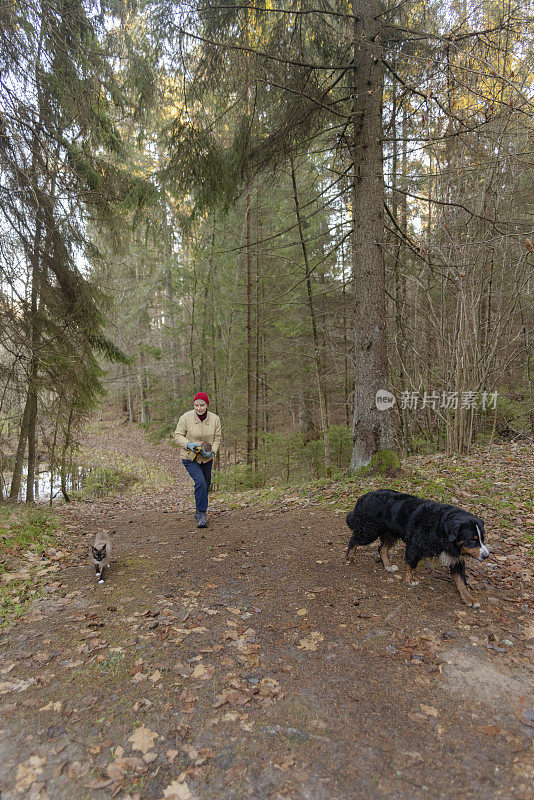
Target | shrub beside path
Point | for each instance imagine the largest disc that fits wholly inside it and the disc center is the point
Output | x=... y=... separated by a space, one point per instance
x=245 y=661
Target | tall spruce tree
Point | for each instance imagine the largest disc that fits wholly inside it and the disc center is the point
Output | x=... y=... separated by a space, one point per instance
x=60 y=156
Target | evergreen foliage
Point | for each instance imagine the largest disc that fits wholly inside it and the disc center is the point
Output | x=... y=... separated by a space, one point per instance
x=63 y=162
x=187 y=191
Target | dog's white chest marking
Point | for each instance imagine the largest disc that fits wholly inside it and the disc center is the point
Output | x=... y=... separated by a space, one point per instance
x=447 y=560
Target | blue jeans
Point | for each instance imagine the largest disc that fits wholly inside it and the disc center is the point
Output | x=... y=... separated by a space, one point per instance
x=201 y=474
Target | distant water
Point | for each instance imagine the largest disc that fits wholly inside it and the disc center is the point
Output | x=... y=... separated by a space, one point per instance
x=43 y=488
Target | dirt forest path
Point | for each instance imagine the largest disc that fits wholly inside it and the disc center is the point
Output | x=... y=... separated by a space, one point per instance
x=245 y=661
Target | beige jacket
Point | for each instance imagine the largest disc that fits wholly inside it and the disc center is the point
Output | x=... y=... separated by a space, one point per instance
x=192 y=429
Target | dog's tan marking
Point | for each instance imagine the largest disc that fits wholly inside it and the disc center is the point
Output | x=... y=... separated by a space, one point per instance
x=410 y=577
x=474 y=552
x=383 y=552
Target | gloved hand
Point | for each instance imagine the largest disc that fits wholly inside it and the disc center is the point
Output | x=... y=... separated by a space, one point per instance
x=206 y=453
x=196 y=448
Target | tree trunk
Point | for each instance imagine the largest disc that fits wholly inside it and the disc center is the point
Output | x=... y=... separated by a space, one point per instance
x=16 y=478
x=346 y=344
x=175 y=356
x=263 y=387
x=304 y=417
x=188 y=258
x=257 y=342
x=131 y=407
x=399 y=212
x=168 y=252
x=315 y=333
x=53 y=450
x=124 y=394
x=145 y=408
x=250 y=338
x=207 y=316
x=29 y=419
x=371 y=428
x=64 y=451
x=32 y=424
x=34 y=359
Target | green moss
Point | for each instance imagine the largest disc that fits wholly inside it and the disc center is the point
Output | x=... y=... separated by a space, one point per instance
x=383 y=462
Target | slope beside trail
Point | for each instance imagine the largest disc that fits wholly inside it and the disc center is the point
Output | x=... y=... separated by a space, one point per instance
x=245 y=661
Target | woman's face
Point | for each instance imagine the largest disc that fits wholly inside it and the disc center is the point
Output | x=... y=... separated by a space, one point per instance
x=200 y=407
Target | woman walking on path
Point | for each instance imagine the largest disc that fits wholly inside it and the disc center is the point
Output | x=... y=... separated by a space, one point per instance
x=199 y=435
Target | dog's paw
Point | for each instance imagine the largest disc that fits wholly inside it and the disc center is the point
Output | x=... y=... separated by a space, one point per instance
x=412 y=583
x=391 y=568
x=101 y=581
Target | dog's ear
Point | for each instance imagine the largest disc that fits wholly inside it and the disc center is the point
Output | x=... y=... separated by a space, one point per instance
x=452 y=530
x=453 y=534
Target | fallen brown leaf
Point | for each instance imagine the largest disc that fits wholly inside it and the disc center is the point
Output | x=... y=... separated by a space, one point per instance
x=143 y=739
x=176 y=791
x=429 y=710
x=28 y=771
x=51 y=706
x=311 y=642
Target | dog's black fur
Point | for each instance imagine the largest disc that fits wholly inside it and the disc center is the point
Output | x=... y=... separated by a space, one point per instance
x=429 y=529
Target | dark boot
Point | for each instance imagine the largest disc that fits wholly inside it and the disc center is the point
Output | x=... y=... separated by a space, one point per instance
x=196 y=514
x=202 y=521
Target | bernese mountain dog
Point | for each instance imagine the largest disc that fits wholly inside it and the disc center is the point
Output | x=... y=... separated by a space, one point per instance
x=429 y=529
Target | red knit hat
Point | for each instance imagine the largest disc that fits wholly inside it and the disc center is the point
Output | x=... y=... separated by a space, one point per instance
x=201 y=396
